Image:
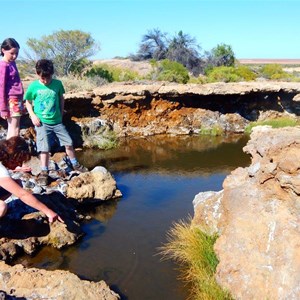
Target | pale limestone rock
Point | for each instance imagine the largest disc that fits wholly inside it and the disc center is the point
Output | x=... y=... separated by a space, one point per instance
x=20 y=282
x=259 y=219
x=93 y=185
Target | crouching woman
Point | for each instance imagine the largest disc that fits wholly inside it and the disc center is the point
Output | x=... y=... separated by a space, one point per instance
x=13 y=153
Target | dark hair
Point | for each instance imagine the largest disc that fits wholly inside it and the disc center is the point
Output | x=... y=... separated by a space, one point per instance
x=8 y=44
x=44 y=68
x=14 y=151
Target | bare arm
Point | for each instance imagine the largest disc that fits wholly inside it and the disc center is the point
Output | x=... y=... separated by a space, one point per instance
x=62 y=104
x=10 y=185
x=35 y=120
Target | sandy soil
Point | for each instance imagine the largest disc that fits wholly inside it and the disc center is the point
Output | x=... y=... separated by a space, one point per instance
x=269 y=61
x=142 y=67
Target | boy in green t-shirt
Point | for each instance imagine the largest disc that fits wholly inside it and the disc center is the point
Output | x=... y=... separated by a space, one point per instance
x=45 y=105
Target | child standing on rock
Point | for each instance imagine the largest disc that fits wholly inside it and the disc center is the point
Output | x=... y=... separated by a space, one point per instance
x=11 y=88
x=45 y=105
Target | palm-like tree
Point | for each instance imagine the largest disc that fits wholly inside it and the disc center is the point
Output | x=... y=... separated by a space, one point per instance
x=153 y=46
x=183 y=49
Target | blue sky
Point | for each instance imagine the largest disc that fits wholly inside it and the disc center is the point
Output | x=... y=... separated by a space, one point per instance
x=253 y=28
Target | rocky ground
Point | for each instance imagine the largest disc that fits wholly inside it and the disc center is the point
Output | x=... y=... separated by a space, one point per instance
x=24 y=230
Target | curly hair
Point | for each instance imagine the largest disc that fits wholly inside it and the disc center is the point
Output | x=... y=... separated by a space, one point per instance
x=14 y=152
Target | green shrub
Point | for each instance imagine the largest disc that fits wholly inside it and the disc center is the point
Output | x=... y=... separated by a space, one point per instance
x=78 y=67
x=223 y=74
x=74 y=84
x=111 y=73
x=215 y=130
x=199 y=80
x=275 y=123
x=167 y=70
x=193 y=250
x=102 y=139
x=245 y=72
x=274 y=72
x=100 y=72
x=230 y=74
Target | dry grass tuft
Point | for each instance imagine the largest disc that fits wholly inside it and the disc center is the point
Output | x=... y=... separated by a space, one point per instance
x=193 y=250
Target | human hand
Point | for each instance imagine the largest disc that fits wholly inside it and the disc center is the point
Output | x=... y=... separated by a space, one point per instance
x=22 y=169
x=4 y=115
x=36 y=121
x=54 y=217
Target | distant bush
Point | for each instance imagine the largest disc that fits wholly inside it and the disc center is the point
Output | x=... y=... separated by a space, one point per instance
x=230 y=74
x=79 y=66
x=99 y=72
x=74 y=84
x=223 y=74
x=246 y=73
x=111 y=73
x=274 y=72
x=198 y=80
x=167 y=70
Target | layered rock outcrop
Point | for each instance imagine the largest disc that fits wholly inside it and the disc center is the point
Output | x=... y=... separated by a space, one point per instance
x=165 y=108
x=257 y=218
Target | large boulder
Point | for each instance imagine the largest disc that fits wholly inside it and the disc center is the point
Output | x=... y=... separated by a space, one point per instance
x=97 y=185
x=257 y=218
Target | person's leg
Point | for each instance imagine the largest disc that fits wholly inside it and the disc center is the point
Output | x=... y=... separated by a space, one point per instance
x=3 y=208
x=13 y=127
x=43 y=148
x=70 y=152
x=44 y=160
x=42 y=144
x=65 y=140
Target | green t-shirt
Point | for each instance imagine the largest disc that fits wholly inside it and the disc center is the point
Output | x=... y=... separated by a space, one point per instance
x=46 y=100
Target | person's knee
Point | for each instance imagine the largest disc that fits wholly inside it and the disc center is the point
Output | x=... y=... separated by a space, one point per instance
x=3 y=208
x=69 y=147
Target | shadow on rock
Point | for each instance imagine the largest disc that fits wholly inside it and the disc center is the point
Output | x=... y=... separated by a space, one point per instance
x=4 y=296
x=23 y=229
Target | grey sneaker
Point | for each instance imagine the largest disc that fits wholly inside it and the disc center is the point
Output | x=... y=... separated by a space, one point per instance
x=80 y=168
x=43 y=178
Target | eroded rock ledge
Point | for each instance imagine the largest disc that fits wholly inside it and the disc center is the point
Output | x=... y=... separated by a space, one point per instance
x=164 y=108
x=257 y=218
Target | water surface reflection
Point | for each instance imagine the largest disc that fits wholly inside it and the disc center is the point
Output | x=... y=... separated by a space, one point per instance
x=158 y=177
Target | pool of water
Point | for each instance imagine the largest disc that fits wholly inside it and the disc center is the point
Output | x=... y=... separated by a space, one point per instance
x=158 y=177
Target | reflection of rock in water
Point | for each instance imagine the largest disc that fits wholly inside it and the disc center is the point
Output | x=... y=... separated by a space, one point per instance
x=102 y=212
x=193 y=154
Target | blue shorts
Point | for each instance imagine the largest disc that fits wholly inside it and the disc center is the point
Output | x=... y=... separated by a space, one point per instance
x=45 y=132
x=4 y=193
